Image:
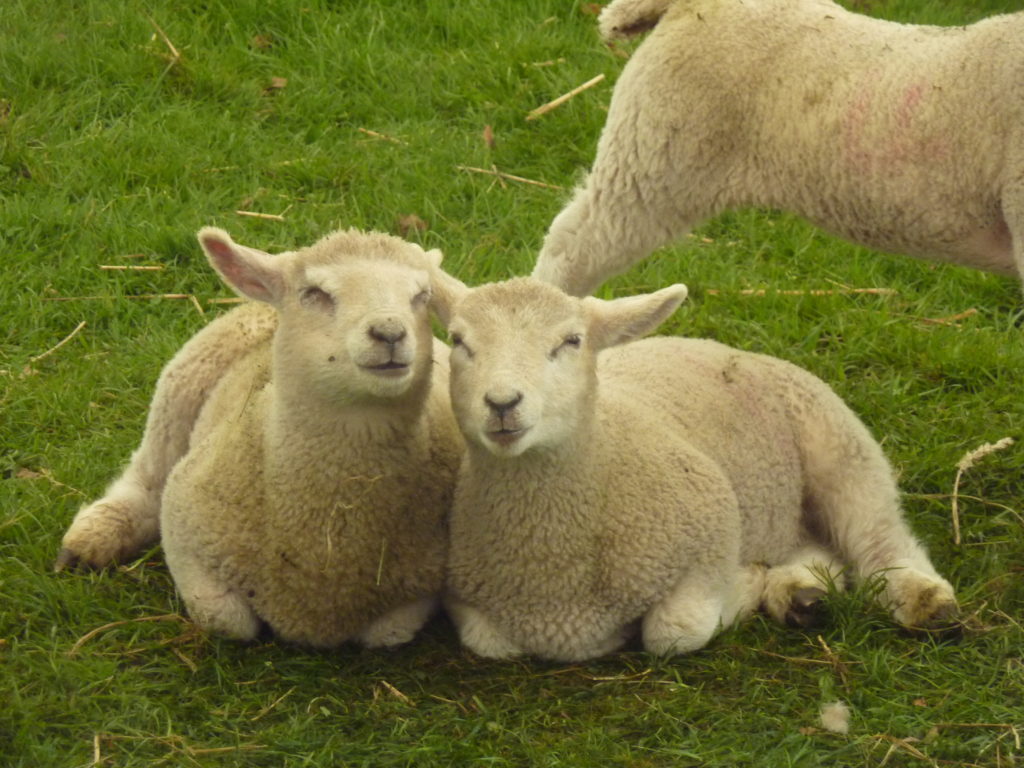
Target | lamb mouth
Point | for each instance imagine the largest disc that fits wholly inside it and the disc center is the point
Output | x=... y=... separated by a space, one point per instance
x=390 y=369
x=505 y=437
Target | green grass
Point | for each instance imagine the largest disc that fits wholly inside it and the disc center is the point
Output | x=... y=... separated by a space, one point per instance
x=110 y=148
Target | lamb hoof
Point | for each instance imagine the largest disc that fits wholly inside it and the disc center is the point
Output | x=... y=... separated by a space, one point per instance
x=930 y=608
x=806 y=609
x=945 y=618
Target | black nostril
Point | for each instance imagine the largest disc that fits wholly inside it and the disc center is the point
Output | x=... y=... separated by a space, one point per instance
x=505 y=404
x=389 y=334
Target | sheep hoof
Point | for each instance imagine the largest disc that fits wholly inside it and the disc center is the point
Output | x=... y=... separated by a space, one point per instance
x=944 y=619
x=927 y=606
x=806 y=608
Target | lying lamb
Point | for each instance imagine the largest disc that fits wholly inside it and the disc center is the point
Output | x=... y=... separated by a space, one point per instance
x=904 y=138
x=318 y=474
x=652 y=482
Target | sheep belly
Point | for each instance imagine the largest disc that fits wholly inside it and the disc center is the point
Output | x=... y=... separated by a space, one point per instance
x=904 y=138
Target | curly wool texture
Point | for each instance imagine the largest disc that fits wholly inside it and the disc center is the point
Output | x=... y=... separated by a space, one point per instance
x=126 y=519
x=322 y=529
x=320 y=472
x=608 y=483
x=299 y=457
x=905 y=138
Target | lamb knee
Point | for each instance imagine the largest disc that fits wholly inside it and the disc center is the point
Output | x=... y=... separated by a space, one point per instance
x=223 y=612
x=400 y=625
x=681 y=626
x=479 y=634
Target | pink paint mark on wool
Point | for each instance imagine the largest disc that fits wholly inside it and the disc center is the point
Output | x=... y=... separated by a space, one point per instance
x=854 y=125
x=881 y=142
x=912 y=99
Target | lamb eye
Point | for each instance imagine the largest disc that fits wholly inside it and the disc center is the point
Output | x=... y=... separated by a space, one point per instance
x=458 y=343
x=421 y=298
x=316 y=297
x=573 y=340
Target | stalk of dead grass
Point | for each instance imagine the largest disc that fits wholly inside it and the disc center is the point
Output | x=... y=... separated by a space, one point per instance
x=759 y=292
x=112 y=625
x=59 y=344
x=968 y=460
x=509 y=176
x=543 y=109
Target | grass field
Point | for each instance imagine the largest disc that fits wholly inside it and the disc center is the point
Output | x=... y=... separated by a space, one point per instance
x=124 y=127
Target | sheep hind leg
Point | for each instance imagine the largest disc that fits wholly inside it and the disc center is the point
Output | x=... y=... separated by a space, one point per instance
x=399 y=625
x=1012 y=204
x=795 y=589
x=869 y=531
x=126 y=519
x=853 y=501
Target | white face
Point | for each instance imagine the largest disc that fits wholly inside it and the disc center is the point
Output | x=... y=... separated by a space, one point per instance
x=521 y=376
x=358 y=330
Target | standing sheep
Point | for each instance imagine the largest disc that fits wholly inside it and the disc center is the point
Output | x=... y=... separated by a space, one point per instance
x=904 y=138
x=316 y=479
x=652 y=481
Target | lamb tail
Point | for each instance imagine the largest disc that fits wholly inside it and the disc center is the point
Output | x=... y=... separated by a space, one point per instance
x=627 y=18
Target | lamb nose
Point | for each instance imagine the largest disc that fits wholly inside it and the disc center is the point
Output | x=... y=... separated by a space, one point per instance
x=389 y=333
x=501 y=405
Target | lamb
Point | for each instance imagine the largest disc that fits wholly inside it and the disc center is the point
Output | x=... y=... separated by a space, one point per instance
x=678 y=483
x=904 y=138
x=313 y=491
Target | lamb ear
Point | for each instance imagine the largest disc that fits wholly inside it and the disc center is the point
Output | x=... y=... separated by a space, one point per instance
x=621 y=320
x=247 y=271
x=447 y=292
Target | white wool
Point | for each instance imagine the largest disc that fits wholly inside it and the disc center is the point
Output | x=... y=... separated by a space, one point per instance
x=835 y=717
x=903 y=138
x=676 y=481
x=299 y=458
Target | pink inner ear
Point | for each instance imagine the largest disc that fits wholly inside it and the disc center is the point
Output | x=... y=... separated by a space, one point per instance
x=243 y=273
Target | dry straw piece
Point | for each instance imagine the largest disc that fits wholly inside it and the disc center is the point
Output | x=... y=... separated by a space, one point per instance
x=509 y=176
x=175 y=56
x=59 y=344
x=805 y=292
x=99 y=630
x=968 y=460
x=258 y=215
x=543 y=109
x=382 y=136
x=190 y=297
x=132 y=267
